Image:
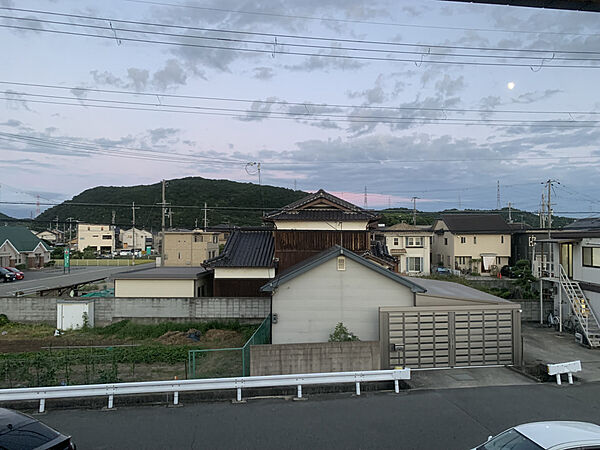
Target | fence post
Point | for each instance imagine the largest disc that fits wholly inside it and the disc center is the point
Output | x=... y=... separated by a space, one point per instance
x=42 y=405
x=110 y=401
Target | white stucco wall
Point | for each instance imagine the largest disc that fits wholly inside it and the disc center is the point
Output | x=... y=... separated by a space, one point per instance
x=321 y=225
x=309 y=306
x=155 y=288
x=244 y=272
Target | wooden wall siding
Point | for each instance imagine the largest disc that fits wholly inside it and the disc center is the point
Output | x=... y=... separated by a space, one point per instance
x=241 y=287
x=428 y=339
x=294 y=246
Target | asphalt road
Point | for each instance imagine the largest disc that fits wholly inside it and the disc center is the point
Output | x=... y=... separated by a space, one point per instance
x=53 y=278
x=421 y=419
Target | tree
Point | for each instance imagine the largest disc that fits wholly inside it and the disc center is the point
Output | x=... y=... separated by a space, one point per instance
x=89 y=253
x=342 y=334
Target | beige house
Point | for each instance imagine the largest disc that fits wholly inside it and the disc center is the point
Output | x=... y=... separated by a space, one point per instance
x=161 y=282
x=411 y=246
x=471 y=243
x=100 y=237
x=189 y=248
x=135 y=238
x=310 y=299
x=51 y=236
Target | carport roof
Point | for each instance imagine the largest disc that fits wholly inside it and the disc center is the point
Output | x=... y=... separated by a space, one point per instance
x=456 y=291
x=163 y=273
x=334 y=252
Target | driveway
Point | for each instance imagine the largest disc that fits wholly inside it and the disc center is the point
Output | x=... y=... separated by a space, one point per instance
x=543 y=345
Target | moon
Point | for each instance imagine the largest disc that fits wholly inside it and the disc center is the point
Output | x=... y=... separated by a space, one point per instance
x=511 y=85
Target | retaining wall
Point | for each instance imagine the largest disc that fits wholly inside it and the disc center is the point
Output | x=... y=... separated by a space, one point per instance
x=144 y=310
x=531 y=309
x=280 y=359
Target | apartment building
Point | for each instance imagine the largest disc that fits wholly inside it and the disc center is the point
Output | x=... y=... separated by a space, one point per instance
x=135 y=238
x=100 y=237
x=189 y=247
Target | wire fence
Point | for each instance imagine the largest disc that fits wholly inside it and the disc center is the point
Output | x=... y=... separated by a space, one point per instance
x=96 y=365
x=103 y=262
x=227 y=362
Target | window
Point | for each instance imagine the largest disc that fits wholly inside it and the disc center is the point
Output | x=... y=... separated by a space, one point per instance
x=463 y=240
x=498 y=261
x=502 y=239
x=591 y=256
x=474 y=239
x=414 y=264
x=107 y=236
x=414 y=241
x=198 y=238
x=179 y=255
x=215 y=238
x=395 y=241
x=88 y=228
x=94 y=235
x=445 y=241
x=101 y=228
x=341 y=263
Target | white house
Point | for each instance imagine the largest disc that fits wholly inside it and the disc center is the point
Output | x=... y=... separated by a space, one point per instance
x=411 y=246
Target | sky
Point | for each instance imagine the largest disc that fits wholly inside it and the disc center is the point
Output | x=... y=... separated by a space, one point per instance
x=401 y=99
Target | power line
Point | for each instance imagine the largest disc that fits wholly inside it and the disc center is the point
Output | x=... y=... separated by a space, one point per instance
x=271 y=35
x=299 y=115
x=297 y=103
x=365 y=22
x=85 y=147
x=318 y=55
x=254 y=115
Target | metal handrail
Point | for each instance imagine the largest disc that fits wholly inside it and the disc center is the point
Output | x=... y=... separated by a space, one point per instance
x=571 y=291
x=176 y=386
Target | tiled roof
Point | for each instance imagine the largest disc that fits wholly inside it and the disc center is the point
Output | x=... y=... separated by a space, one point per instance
x=475 y=223
x=246 y=249
x=321 y=206
x=20 y=237
x=589 y=223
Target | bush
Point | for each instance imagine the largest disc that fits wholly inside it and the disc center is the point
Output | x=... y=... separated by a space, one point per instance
x=50 y=263
x=342 y=334
x=4 y=319
x=58 y=252
x=21 y=266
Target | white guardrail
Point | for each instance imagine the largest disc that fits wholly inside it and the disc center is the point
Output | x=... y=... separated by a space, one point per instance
x=211 y=384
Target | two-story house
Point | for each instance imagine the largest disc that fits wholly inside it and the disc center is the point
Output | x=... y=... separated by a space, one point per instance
x=134 y=238
x=410 y=245
x=471 y=243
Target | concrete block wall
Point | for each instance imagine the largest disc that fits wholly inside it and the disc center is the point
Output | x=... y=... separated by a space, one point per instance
x=280 y=359
x=29 y=309
x=531 y=309
x=149 y=310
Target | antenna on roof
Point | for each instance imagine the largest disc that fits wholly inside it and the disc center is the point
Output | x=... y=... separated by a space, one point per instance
x=366 y=199
x=498 y=196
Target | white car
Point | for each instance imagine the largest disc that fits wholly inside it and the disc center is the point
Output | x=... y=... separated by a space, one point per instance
x=546 y=436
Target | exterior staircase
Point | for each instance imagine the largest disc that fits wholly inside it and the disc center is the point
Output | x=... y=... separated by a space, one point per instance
x=581 y=310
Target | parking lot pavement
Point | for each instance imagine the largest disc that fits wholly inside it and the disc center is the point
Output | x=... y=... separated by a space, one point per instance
x=55 y=278
x=543 y=345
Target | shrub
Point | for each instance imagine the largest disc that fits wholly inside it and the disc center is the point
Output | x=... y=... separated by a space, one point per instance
x=342 y=334
x=4 y=319
x=21 y=266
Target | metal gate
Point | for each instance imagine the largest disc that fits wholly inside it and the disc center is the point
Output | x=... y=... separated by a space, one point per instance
x=442 y=336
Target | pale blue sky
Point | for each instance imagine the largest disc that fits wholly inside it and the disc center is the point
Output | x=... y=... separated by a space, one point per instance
x=438 y=162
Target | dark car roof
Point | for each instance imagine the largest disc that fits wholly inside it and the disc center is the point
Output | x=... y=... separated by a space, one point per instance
x=9 y=420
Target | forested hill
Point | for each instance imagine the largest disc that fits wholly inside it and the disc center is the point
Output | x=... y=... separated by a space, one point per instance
x=245 y=200
x=191 y=192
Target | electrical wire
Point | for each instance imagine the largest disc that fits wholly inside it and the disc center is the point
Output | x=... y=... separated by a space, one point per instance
x=298 y=53
x=271 y=35
x=295 y=103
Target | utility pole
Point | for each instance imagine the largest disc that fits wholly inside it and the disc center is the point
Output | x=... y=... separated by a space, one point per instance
x=543 y=213
x=366 y=199
x=498 y=196
x=170 y=217
x=162 y=216
x=548 y=184
x=509 y=212
x=414 y=200
x=205 y=217
x=133 y=208
x=70 y=219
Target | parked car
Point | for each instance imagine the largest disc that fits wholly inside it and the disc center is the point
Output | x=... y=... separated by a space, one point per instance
x=18 y=274
x=20 y=431
x=125 y=252
x=443 y=271
x=508 y=272
x=7 y=275
x=545 y=436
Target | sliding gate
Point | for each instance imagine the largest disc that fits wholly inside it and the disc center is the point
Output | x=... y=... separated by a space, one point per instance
x=443 y=336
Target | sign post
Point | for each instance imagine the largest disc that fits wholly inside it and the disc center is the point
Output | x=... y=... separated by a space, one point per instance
x=67 y=262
